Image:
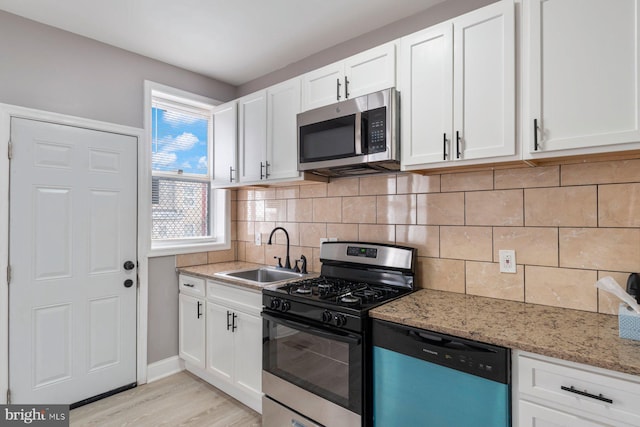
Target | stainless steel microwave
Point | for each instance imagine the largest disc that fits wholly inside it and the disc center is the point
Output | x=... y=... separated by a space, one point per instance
x=353 y=137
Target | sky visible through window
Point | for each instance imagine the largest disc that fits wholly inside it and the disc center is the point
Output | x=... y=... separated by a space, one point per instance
x=179 y=142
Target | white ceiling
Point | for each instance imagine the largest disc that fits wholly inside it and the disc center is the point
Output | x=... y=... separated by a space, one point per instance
x=234 y=41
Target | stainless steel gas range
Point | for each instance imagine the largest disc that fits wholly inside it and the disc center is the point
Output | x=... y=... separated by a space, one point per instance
x=316 y=335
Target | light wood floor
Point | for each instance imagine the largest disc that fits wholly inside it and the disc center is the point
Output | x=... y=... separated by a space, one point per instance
x=179 y=400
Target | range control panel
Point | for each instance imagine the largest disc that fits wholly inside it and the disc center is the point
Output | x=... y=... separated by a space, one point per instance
x=362 y=252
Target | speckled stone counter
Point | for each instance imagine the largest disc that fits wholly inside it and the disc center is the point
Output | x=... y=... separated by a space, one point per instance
x=573 y=335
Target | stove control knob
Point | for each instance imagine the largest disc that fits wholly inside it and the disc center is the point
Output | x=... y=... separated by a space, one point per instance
x=285 y=306
x=340 y=320
x=275 y=303
x=327 y=317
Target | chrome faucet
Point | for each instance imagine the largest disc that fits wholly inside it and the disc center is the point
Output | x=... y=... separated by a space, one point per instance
x=287 y=261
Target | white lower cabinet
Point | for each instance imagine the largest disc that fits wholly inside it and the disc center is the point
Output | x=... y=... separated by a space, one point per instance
x=231 y=342
x=552 y=392
x=192 y=330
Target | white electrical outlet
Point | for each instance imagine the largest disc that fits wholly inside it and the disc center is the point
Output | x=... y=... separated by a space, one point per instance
x=507 y=261
x=258 y=239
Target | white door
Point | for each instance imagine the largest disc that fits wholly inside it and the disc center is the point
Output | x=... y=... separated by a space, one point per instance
x=191 y=313
x=370 y=71
x=323 y=86
x=220 y=346
x=283 y=103
x=253 y=137
x=248 y=357
x=72 y=321
x=225 y=142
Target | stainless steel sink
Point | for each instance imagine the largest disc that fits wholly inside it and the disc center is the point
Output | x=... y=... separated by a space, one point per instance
x=261 y=275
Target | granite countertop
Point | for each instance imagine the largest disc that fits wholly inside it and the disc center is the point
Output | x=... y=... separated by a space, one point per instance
x=208 y=271
x=573 y=335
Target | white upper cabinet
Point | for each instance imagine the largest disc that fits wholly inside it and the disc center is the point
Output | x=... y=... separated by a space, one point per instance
x=364 y=73
x=252 y=137
x=283 y=104
x=581 y=77
x=458 y=90
x=225 y=137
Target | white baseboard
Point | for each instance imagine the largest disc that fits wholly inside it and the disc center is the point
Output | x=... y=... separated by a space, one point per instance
x=164 y=368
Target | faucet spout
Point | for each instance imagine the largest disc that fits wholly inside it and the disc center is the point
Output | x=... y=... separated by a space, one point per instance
x=287 y=261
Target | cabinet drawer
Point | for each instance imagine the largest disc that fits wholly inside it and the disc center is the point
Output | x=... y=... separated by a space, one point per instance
x=604 y=393
x=191 y=285
x=240 y=298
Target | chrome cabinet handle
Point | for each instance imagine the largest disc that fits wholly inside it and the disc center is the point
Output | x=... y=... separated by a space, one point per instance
x=457 y=145
x=600 y=397
x=231 y=170
x=444 y=146
x=535 y=135
x=228 y=323
x=262 y=176
x=346 y=87
x=233 y=323
x=266 y=170
x=199 y=312
x=338 y=89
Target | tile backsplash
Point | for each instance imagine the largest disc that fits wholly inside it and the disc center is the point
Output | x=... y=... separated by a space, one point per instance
x=569 y=225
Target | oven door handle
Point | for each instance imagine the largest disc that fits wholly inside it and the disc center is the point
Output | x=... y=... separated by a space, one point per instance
x=349 y=339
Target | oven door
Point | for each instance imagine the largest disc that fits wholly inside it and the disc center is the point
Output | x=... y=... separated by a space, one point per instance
x=325 y=362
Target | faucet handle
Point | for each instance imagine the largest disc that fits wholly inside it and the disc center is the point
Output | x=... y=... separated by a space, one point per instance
x=279 y=261
x=296 y=268
x=303 y=269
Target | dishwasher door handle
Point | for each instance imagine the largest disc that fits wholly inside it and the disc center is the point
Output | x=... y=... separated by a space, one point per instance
x=442 y=342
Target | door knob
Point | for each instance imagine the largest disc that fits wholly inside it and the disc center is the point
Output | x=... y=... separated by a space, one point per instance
x=128 y=283
x=129 y=265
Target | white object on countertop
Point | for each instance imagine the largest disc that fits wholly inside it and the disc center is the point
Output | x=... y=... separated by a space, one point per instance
x=610 y=285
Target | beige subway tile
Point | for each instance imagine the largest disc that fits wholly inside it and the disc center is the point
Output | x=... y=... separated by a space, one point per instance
x=246 y=230
x=314 y=263
x=561 y=287
x=359 y=210
x=293 y=229
x=222 y=256
x=397 y=209
x=561 y=207
x=327 y=209
x=264 y=228
x=300 y=210
x=467 y=181
x=246 y=194
x=275 y=210
x=426 y=239
x=601 y=172
x=377 y=233
x=292 y=192
x=241 y=251
x=440 y=209
x=619 y=205
x=468 y=243
x=615 y=249
x=501 y=207
x=343 y=231
x=313 y=190
x=415 y=183
x=541 y=176
x=440 y=274
x=265 y=193
x=608 y=303
x=484 y=279
x=234 y=210
x=234 y=230
x=241 y=210
x=254 y=253
x=185 y=260
x=233 y=194
x=251 y=210
x=343 y=187
x=533 y=245
x=311 y=233
x=378 y=184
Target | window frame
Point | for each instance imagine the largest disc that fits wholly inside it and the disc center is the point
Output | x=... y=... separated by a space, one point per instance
x=219 y=201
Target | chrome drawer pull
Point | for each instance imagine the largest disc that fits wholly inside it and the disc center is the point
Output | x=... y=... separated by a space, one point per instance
x=572 y=389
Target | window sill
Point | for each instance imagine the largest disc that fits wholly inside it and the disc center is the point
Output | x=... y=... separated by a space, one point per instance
x=186 y=248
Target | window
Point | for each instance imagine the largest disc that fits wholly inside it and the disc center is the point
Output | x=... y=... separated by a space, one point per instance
x=186 y=214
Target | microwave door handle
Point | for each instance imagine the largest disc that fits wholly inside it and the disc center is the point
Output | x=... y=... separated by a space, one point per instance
x=358 y=130
x=349 y=339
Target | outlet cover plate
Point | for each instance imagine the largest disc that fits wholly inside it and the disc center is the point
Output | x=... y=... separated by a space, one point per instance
x=507 y=261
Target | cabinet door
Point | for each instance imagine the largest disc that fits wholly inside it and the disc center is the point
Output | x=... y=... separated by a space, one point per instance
x=248 y=352
x=531 y=414
x=583 y=76
x=191 y=314
x=283 y=103
x=220 y=347
x=427 y=67
x=252 y=136
x=370 y=71
x=484 y=83
x=323 y=86
x=225 y=139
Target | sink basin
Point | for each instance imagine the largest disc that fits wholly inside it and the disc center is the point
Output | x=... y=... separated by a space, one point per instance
x=261 y=275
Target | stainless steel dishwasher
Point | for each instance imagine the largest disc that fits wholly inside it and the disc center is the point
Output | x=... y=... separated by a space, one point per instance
x=423 y=378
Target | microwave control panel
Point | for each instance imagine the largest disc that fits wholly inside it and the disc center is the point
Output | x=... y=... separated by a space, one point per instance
x=376 y=130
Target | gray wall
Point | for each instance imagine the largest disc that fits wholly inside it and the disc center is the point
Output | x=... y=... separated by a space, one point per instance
x=162 y=339
x=53 y=70
x=434 y=15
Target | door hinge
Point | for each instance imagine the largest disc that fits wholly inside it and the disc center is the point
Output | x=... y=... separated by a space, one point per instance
x=8 y=397
x=8 y=274
x=10 y=150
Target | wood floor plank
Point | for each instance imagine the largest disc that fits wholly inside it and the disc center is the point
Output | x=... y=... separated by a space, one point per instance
x=181 y=400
